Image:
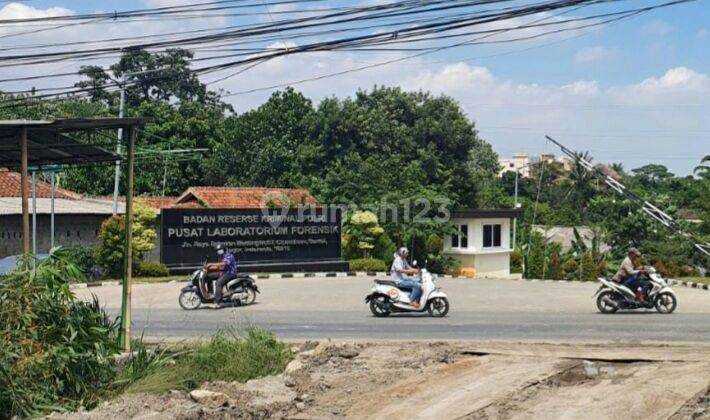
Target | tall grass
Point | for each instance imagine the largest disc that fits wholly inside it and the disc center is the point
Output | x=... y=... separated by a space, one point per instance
x=228 y=356
x=55 y=352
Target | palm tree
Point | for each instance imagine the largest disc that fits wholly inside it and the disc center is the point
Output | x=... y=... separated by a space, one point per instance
x=703 y=170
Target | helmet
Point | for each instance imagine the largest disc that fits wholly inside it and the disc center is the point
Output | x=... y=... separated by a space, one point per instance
x=635 y=252
x=402 y=251
x=220 y=249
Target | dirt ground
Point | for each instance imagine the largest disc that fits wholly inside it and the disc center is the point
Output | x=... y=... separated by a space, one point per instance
x=445 y=380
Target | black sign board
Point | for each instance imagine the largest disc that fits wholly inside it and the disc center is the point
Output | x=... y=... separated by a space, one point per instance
x=189 y=236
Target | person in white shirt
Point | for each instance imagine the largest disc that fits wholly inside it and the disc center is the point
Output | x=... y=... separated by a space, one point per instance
x=401 y=273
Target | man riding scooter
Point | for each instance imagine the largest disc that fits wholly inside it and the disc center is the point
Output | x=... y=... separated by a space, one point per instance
x=629 y=274
x=401 y=273
x=227 y=268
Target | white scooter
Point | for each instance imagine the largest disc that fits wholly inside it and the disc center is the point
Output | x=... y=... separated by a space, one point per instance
x=385 y=298
x=614 y=296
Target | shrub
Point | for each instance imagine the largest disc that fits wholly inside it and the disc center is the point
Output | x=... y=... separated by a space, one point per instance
x=109 y=254
x=536 y=257
x=361 y=232
x=229 y=356
x=384 y=249
x=150 y=269
x=516 y=261
x=588 y=267
x=367 y=264
x=554 y=268
x=55 y=352
x=81 y=256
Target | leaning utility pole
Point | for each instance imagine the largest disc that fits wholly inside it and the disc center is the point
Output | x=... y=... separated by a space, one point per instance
x=648 y=208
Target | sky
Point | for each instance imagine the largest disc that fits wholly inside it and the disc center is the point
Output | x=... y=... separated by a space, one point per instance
x=636 y=91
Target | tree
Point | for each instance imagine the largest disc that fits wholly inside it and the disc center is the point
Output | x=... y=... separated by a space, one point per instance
x=161 y=76
x=112 y=237
x=361 y=232
x=651 y=175
x=703 y=170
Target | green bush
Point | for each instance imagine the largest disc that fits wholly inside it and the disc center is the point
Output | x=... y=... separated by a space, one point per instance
x=516 y=261
x=229 y=356
x=589 y=269
x=55 y=352
x=535 y=265
x=81 y=256
x=384 y=249
x=367 y=264
x=150 y=269
x=554 y=268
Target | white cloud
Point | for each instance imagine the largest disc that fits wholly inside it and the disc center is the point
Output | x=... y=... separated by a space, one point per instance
x=591 y=54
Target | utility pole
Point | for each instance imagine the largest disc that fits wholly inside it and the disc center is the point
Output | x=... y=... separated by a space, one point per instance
x=117 y=177
x=515 y=205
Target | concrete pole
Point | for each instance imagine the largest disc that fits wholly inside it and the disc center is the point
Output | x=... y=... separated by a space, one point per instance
x=128 y=249
x=25 y=198
x=34 y=216
x=515 y=205
x=51 y=215
x=117 y=175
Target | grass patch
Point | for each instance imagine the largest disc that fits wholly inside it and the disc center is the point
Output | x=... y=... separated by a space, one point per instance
x=228 y=356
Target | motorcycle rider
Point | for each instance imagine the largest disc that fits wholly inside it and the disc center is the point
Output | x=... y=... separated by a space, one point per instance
x=401 y=273
x=630 y=275
x=228 y=271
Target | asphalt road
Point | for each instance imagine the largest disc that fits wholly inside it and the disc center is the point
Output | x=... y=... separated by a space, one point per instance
x=506 y=310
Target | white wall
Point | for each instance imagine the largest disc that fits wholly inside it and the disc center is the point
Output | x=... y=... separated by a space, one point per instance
x=491 y=261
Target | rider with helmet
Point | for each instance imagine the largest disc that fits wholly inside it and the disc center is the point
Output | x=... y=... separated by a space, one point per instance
x=228 y=271
x=401 y=273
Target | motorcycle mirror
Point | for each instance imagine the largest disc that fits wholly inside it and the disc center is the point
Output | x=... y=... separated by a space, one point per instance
x=414 y=263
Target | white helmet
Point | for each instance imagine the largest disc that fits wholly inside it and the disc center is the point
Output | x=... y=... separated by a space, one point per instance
x=403 y=251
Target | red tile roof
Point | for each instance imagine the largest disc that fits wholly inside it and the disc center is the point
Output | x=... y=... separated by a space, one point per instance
x=10 y=187
x=242 y=197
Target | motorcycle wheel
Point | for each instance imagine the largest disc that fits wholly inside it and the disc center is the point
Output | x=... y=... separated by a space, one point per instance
x=379 y=306
x=189 y=300
x=438 y=307
x=251 y=296
x=665 y=303
x=603 y=305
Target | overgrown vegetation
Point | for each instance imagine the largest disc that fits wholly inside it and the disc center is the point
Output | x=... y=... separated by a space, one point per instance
x=367 y=264
x=228 y=356
x=55 y=352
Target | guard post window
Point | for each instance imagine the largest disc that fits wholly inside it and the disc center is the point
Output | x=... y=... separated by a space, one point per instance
x=491 y=236
x=460 y=238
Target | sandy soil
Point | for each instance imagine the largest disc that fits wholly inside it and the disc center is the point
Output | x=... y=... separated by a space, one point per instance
x=450 y=381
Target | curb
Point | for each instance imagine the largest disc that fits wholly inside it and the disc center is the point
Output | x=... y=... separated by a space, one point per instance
x=264 y=276
x=690 y=284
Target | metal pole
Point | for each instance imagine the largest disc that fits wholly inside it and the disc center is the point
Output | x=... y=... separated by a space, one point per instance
x=51 y=212
x=128 y=251
x=34 y=215
x=515 y=219
x=117 y=176
x=25 y=199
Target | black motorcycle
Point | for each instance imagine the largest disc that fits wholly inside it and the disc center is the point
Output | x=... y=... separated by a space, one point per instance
x=239 y=291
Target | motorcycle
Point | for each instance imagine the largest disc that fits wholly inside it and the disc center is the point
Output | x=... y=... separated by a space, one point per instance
x=201 y=285
x=613 y=296
x=385 y=298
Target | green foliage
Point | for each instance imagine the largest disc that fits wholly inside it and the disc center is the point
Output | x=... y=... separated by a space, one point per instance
x=109 y=253
x=367 y=264
x=384 y=249
x=516 y=261
x=81 y=256
x=150 y=269
x=535 y=257
x=588 y=267
x=229 y=356
x=361 y=231
x=55 y=352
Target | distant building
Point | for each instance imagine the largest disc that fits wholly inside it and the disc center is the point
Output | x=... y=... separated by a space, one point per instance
x=522 y=163
x=564 y=235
